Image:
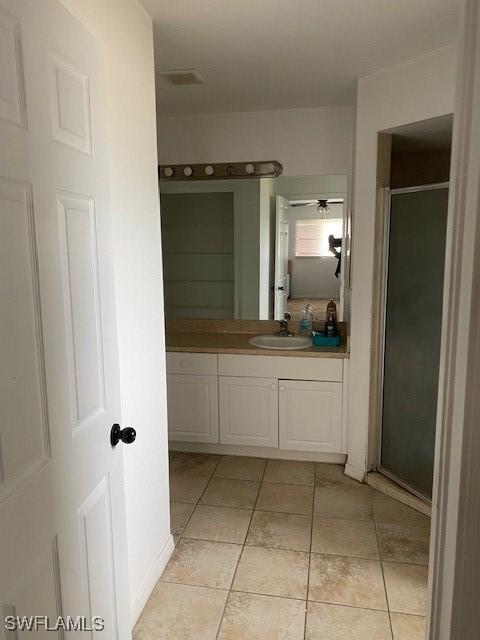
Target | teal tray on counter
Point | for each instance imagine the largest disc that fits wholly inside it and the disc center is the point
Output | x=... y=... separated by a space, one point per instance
x=321 y=340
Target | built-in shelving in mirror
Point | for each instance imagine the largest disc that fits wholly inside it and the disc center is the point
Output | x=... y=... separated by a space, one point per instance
x=254 y=248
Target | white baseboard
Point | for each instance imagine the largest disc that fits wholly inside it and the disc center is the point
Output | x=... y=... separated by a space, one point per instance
x=257 y=452
x=150 y=580
x=354 y=472
x=389 y=488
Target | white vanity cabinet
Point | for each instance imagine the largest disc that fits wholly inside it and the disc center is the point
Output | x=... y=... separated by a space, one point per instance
x=192 y=397
x=293 y=403
x=248 y=411
x=310 y=415
x=290 y=403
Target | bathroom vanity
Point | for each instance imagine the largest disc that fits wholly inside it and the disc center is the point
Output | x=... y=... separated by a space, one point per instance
x=227 y=396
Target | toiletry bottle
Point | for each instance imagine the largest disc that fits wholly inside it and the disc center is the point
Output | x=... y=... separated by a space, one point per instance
x=309 y=319
x=306 y=323
x=331 y=329
x=331 y=306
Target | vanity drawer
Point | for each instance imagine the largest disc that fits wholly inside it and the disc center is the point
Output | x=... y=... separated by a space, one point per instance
x=192 y=363
x=288 y=368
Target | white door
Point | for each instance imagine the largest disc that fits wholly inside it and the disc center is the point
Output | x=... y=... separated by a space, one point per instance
x=344 y=259
x=249 y=411
x=310 y=416
x=281 y=257
x=62 y=521
x=192 y=408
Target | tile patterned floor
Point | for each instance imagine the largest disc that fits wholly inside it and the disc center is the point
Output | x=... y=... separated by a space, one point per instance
x=282 y=550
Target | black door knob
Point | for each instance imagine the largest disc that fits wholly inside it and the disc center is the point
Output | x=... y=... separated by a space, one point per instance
x=126 y=435
x=281 y=288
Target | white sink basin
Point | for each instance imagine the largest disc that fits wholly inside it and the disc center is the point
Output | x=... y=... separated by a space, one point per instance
x=281 y=342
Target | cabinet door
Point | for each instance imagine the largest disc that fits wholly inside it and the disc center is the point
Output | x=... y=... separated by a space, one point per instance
x=249 y=411
x=310 y=416
x=192 y=408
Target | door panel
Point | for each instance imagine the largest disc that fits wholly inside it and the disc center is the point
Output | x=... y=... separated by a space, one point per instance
x=62 y=528
x=41 y=595
x=24 y=438
x=281 y=257
x=192 y=408
x=70 y=100
x=413 y=318
x=96 y=547
x=310 y=416
x=78 y=249
x=249 y=411
x=12 y=98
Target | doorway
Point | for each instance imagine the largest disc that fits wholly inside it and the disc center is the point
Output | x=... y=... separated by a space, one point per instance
x=308 y=269
x=414 y=256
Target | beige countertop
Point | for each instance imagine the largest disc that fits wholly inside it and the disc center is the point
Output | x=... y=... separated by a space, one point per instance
x=208 y=337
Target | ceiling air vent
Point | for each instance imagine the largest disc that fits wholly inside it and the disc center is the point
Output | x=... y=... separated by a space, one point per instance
x=182 y=76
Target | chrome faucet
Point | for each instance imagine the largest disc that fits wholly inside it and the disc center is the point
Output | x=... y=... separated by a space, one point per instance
x=284 y=330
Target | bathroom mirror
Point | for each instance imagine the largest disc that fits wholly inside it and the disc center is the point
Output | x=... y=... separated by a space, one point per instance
x=254 y=248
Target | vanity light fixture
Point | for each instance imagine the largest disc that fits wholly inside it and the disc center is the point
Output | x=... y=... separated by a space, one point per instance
x=221 y=170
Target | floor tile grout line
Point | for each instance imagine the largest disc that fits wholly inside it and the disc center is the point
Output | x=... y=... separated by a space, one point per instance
x=383 y=572
x=403 y=562
x=313 y=553
x=373 y=560
x=400 y=524
x=234 y=544
x=272 y=595
x=198 y=501
x=267 y=595
x=383 y=562
x=256 y=546
x=241 y=553
x=254 y=509
x=217 y=506
x=310 y=551
x=266 y=546
x=347 y=606
x=290 y=484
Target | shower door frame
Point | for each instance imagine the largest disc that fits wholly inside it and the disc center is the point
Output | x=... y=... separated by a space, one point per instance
x=382 y=325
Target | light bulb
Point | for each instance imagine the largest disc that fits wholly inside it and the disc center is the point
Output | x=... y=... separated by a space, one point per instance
x=322 y=208
x=168 y=172
x=250 y=168
x=188 y=171
x=209 y=170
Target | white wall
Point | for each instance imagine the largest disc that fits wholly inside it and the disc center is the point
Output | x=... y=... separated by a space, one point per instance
x=306 y=141
x=125 y=30
x=415 y=90
x=312 y=277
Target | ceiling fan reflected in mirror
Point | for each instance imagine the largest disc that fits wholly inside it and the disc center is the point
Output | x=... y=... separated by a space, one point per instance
x=321 y=205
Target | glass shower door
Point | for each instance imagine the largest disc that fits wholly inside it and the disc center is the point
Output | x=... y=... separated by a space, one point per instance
x=413 y=319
